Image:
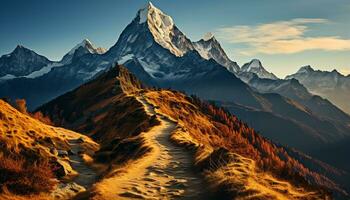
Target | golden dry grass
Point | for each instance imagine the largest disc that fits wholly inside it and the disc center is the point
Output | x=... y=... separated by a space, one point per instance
x=105 y=109
x=22 y=132
x=248 y=182
x=188 y=116
x=10 y=196
x=196 y=129
x=240 y=175
x=30 y=143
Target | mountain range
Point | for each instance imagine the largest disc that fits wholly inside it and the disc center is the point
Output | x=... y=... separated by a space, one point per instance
x=287 y=111
x=85 y=91
x=21 y=62
x=121 y=143
x=331 y=85
x=100 y=108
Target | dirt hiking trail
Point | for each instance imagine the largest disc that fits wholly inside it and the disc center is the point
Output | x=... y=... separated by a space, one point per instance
x=87 y=176
x=165 y=173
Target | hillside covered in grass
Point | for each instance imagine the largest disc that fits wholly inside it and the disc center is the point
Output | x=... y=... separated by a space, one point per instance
x=231 y=155
x=103 y=111
x=33 y=159
x=236 y=157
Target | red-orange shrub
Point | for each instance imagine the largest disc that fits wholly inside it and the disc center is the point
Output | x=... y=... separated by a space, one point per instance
x=40 y=116
x=21 y=106
x=23 y=178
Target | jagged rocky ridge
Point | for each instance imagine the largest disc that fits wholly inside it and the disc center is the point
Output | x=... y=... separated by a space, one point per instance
x=210 y=48
x=21 y=62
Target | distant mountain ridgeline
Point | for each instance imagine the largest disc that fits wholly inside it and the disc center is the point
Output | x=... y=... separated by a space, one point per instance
x=208 y=129
x=153 y=48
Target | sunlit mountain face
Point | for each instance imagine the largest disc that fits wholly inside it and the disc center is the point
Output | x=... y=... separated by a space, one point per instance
x=159 y=115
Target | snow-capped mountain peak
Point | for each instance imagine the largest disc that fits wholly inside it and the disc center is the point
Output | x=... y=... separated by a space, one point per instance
x=21 y=62
x=20 y=50
x=328 y=84
x=210 y=48
x=164 y=30
x=88 y=46
x=255 y=66
x=84 y=43
x=149 y=11
x=162 y=50
x=82 y=48
x=305 y=69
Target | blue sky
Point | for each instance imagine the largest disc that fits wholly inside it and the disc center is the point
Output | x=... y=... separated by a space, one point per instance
x=284 y=35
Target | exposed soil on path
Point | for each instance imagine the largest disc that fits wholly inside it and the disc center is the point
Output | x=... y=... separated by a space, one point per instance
x=87 y=176
x=166 y=173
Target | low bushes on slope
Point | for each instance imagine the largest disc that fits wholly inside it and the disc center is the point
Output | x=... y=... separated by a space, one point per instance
x=106 y=109
x=211 y=128
x=20 y=177
x=29 y=160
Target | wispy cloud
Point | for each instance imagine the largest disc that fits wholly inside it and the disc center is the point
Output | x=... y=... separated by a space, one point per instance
x=281 y=37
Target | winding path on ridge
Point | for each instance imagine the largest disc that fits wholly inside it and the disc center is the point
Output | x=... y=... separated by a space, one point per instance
x=166 y=173
x=87 y=176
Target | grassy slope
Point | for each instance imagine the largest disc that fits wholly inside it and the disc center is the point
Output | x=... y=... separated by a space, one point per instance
x=232 y=160
x=25 y=143
x=20 y=132
x=107 y=110
x=103 y=109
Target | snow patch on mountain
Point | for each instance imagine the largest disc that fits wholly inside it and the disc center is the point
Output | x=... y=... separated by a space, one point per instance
x=125 y=58
x=100 y=50
x=84 y=44
x=203 y=50
x=162 y=28
x=21 y=62
x=210 y=48
x=43 y=70
x=328 y=84
x=7 y=77
x=89 y=46
x=256 y=67
x=305 y=69
x=84 y=47
x=151 y=68
x=34 y=74
x=255 y=64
